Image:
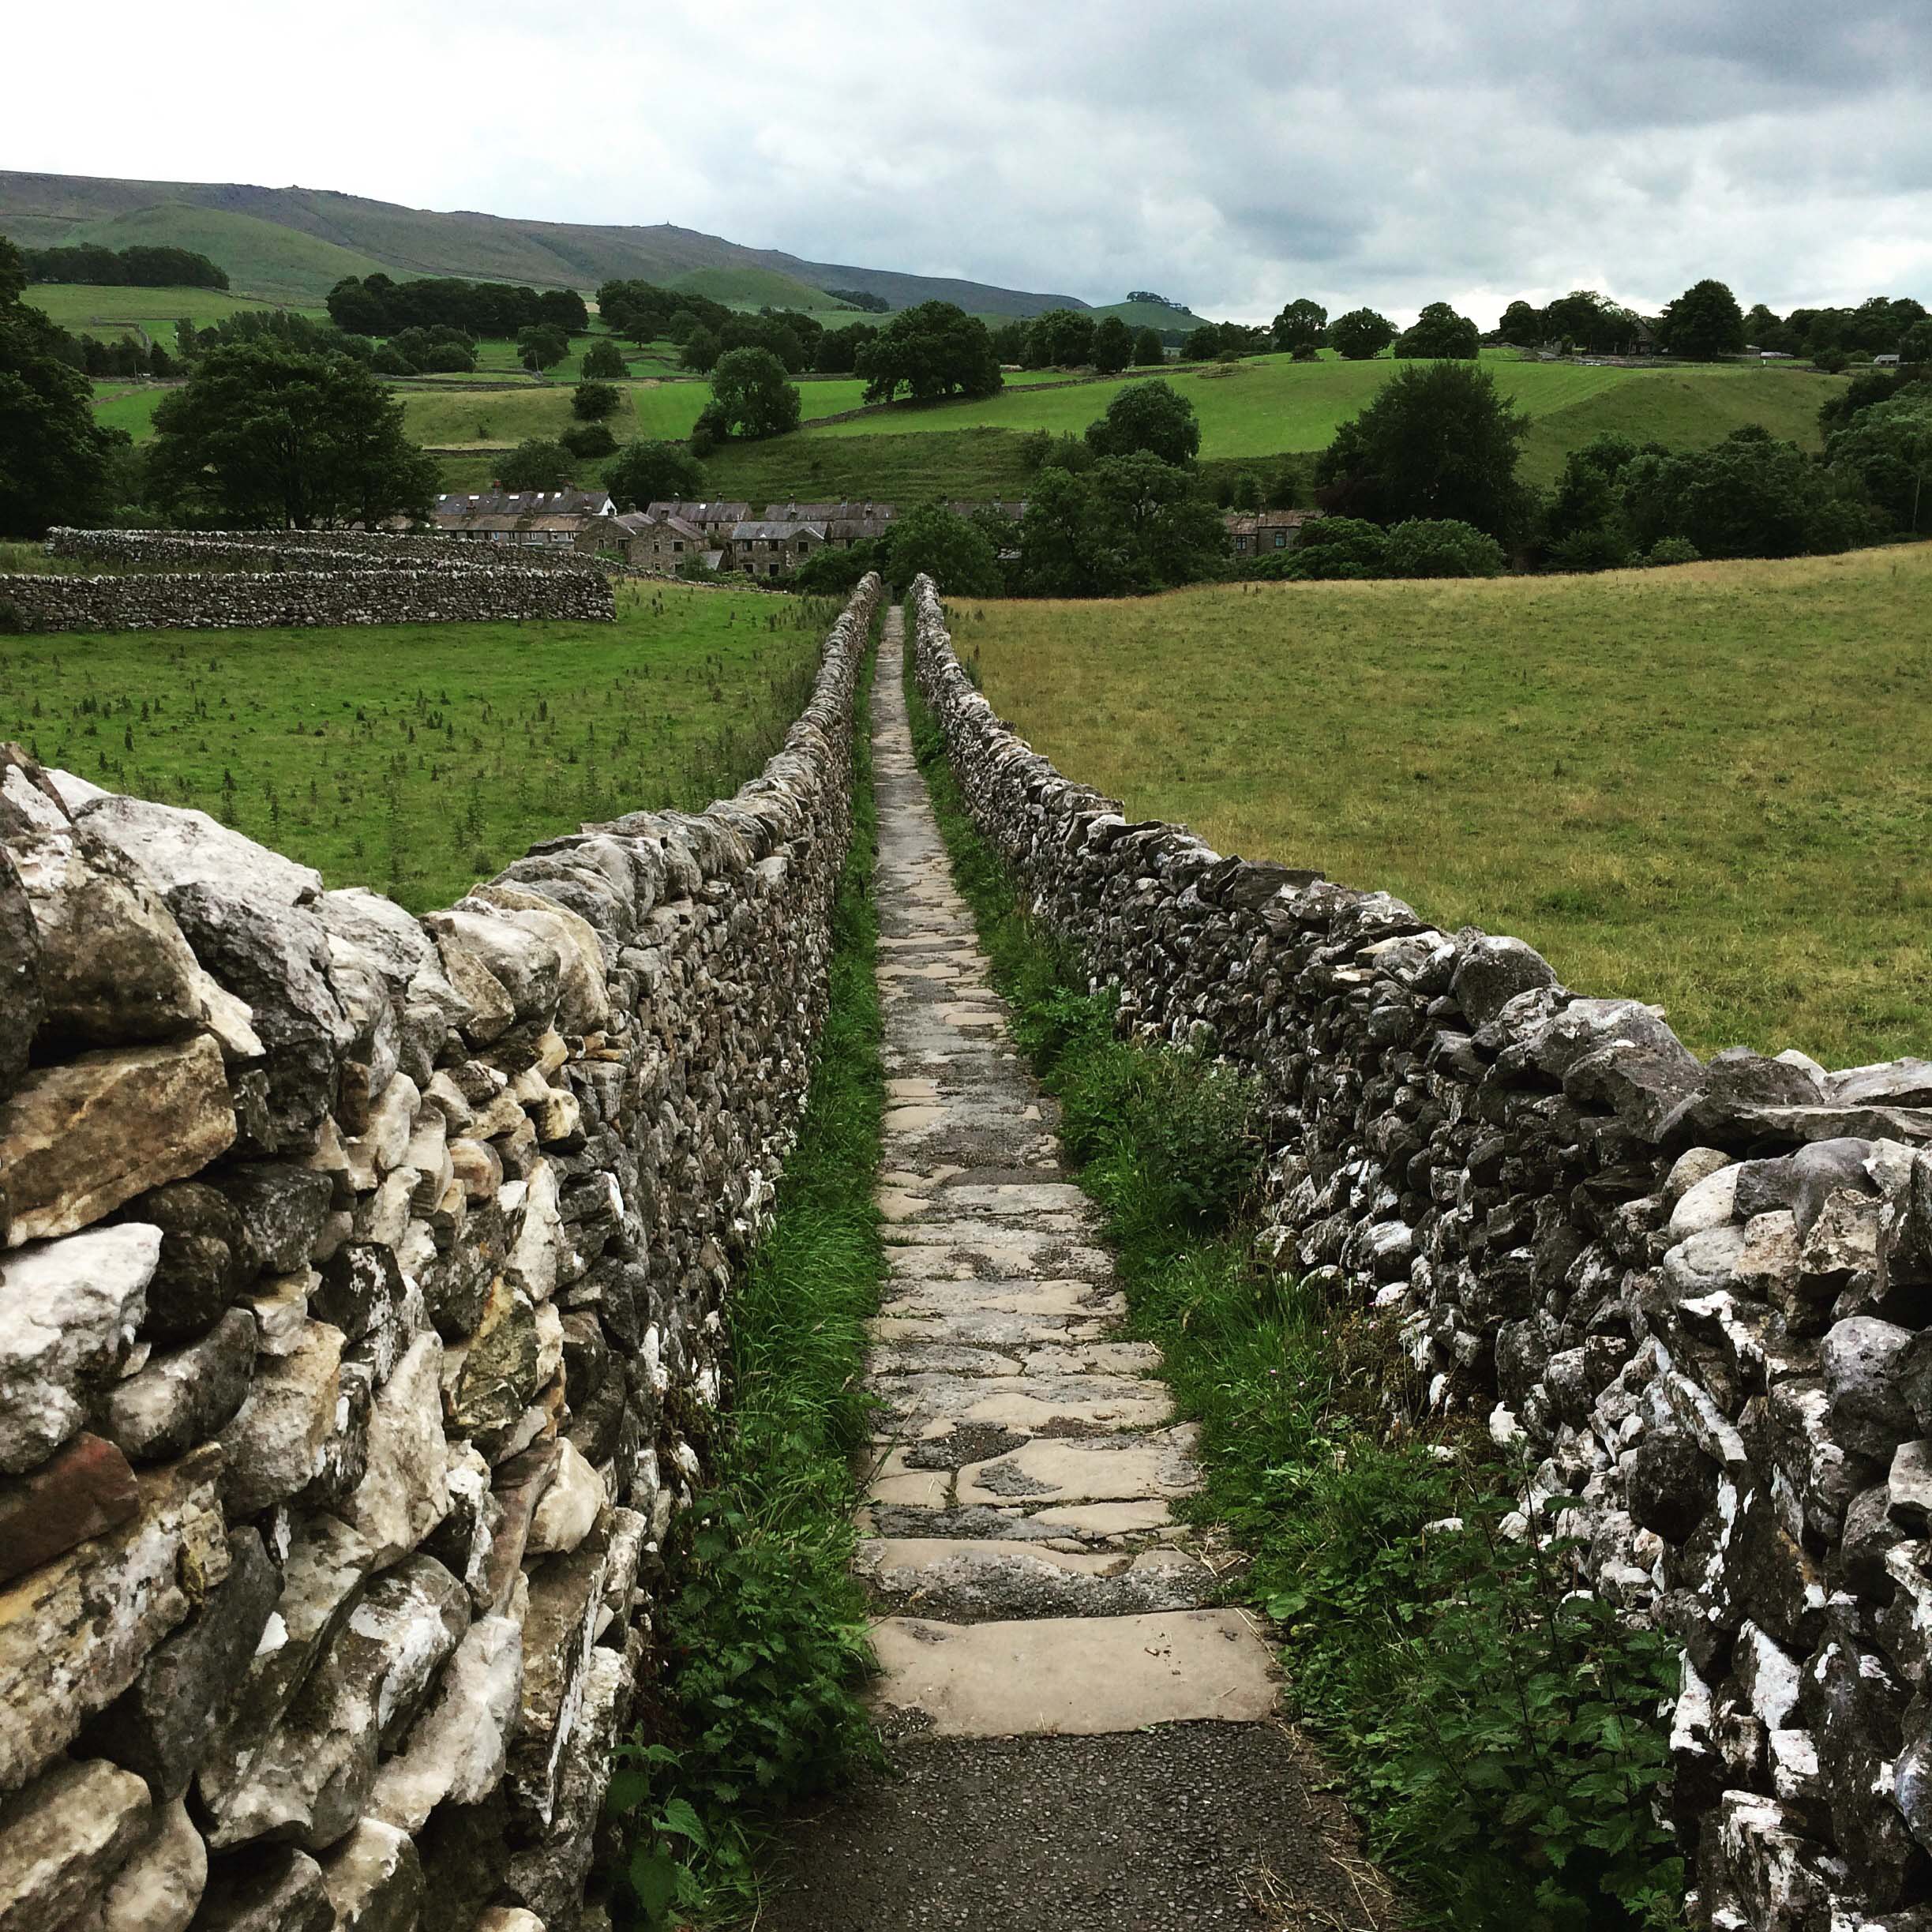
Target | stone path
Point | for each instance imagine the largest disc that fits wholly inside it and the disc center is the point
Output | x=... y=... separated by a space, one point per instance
x=1081 y=1738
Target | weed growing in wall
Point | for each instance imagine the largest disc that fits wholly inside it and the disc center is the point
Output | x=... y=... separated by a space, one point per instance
x=1500 y=1735
x=766 y=1637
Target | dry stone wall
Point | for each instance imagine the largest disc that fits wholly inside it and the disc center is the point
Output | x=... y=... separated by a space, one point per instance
x=299 y=550
x=360 y=1292
x=1700 y=1292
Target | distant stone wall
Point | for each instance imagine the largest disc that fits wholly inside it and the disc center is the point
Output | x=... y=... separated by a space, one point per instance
x=302 y=549
x=360 y=1293
x=1700 y=1292
x=219 y=600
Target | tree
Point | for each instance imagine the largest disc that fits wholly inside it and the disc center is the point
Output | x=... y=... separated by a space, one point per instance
x=55 y=461
x=1361 y=335
x=537 y=463
x=1009 y=341
x=1916 y=344
x=1748 y=496
x=1336 y=548
x=1441 y=548
x=592 y=402
x=1589 y=321
x=752 y=397
x=266 y=437
x=645 y=472
x=1588 y=493
x=1151 y=415
x=589 y=440
x=1301 y=321
x=1522 y=326
x=1434 y=442
x=839 y=349
x=603 y=361
x=1131 y=524
x=1113 y=345
x=955 y=554
x=1060 y=339
x=541 y=345
x=1703 y=323
x=1149 y=351
x=700 y=352
x=932 y=350
x=1887 y=451
x=1438 y=335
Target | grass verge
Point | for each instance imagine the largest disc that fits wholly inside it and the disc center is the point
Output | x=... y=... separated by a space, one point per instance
x=1500 y=1735
x=766 y=1639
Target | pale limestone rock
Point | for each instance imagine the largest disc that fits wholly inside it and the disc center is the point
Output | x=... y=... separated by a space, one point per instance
x=68 y=1310
x=533 y=1259
x=374 y=1879
x=185 y=1396
x=78 y=1139
x=75 y=1633
x=570 y=1505
x=275 y=1444
x=458 y=1748
x=61 y=1840
x=158 y=1889
x=582 y=994
x=406 y=1492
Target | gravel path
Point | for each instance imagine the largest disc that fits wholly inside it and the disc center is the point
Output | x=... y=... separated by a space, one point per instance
x=1082 y=1740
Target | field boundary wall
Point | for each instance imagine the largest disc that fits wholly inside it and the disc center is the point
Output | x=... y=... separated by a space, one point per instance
x=1697 y=1294
x=362 y=1282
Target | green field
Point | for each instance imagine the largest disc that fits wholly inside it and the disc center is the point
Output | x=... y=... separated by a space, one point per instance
x=152 y=312
x=264 y=258
x=1703 y=786
x=1270 y=405
x=417 y=758
x=128 y=407
x=472 y=419
x=905 y=469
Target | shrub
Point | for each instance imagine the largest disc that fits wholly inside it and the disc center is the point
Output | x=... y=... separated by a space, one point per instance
x=603 y=361
x=390 y=361
x=1671 y=550
x=1442 y=547
x=592 y=402
x=1598 y=546
x=1336 y=547
x=589 y=440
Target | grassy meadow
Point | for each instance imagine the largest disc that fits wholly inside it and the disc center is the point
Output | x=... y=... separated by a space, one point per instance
x=1703 y=786
x=82 y=309
x=418 y=758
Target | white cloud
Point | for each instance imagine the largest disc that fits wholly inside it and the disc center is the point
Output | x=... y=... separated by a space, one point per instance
x=1228 y=155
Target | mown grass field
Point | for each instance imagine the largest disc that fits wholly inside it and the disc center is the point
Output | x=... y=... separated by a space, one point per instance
x=1705 y=787
x=112 y=312
x=418 y=758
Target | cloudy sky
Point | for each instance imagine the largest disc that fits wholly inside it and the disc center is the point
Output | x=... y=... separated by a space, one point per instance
x=1230 y=155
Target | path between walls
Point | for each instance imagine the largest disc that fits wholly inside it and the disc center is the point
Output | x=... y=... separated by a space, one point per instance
x=1079 y=1739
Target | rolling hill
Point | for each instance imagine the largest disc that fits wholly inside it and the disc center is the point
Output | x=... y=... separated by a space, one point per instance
x=295 y=243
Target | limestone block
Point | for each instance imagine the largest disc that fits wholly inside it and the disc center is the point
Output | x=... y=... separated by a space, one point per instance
x=159 y=1888
x=68 y=1310
x=75 y=1633
x=19 y=975
x=583 y=998
x=276 y=1443
x=281 y=1206
x=322 y=1579
x=374 y=1881
x=461 y=1542
x=457 y=1750
x=565 y=1597
x=165 y=1721
x=570 y=1507
x=62 y=1838
x=523 y=963
x=78 y=1139
x=114 y=969
x=312 y=1778
x=405 y=1492
x=204 y=1264
x=266 y=1889
x=498 y=1374
x=532 y=1263
x=184 y=1396
x=83 y=1490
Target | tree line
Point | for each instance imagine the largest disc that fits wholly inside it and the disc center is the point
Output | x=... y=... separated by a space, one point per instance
x=140 y=266
x=374 y=304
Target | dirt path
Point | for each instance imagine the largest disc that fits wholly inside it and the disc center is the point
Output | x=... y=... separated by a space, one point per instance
x=1081 y=1739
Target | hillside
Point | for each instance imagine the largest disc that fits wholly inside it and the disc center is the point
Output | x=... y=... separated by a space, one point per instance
x=323 y=235
x=1749 y=855
x=1151 y=315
